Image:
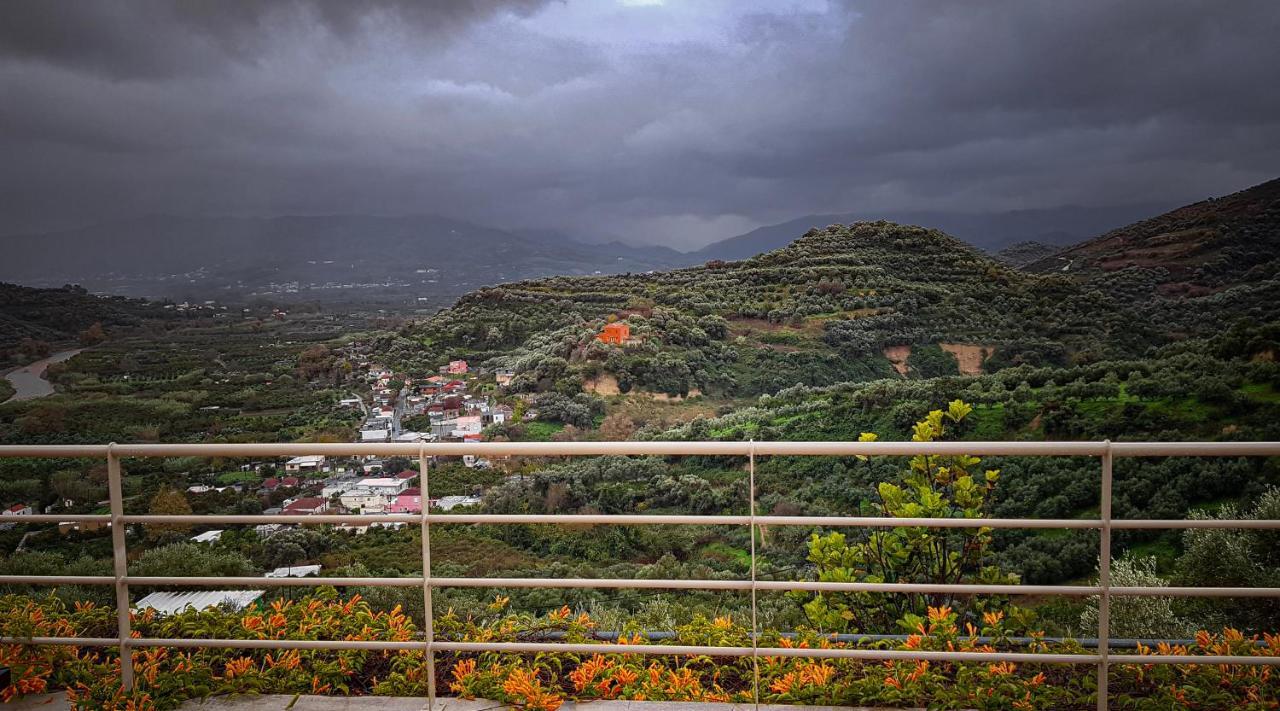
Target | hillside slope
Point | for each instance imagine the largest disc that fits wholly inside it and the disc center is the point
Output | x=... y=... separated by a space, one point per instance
x=59 y=315
x=1202 y=248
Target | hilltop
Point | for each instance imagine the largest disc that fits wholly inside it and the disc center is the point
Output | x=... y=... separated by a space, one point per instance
x=991 y=232
x=1201 y=248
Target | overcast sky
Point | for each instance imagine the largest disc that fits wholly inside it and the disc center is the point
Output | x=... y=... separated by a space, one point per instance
x=675 y=122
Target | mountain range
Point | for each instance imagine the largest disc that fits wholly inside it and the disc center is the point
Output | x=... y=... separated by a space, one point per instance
x=427 y=261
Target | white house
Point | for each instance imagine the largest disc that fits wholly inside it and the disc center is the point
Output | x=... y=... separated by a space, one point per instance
x=17 y=510
x=387 y=486
x=364 y=501
x=380 y=434
x=468 y=424
x=308 y=463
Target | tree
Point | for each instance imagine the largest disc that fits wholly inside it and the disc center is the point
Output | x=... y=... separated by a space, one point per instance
x=93 y=335
x=932 y=487
x=191 y=560
x=1141 y=617
x=1235 y=557
x=168 y=502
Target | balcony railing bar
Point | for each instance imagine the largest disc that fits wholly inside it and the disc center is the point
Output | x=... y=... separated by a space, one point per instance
x=650 y=649
x=662 y=520
x=647 y=584
x=1106 y=451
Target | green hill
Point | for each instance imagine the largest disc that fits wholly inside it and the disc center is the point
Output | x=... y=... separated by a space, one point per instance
x=846 y=303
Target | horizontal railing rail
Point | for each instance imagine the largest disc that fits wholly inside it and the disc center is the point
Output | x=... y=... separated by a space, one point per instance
x=1106 y=452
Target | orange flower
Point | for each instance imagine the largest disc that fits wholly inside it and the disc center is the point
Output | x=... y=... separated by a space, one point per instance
x=892 y=683
x=783 y=684
x=237 y=667
x=524 y=683
x=1001 y=669
x=625 y=677
x=913 y=642
x=817 y=674
x=722 y=623
x=1037 y=680
x=586 y=673
x=992 y=618
x=939 y=614
x=921 y=667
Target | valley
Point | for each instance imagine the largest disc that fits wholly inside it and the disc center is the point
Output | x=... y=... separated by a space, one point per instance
x=872 y=329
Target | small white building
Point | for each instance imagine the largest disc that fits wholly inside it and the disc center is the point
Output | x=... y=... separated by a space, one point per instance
x=363 y=501
x=294 y=571
x=17 y=510
x=308 y=463
x=207 y=537
x=448 y=503
x=380 y=434
x=386 y=486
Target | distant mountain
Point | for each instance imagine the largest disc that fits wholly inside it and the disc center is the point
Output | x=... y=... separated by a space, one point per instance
x=1024 y=253
x=657 y=254
x=428 y=257
x=1200 y=248
x=987 y=231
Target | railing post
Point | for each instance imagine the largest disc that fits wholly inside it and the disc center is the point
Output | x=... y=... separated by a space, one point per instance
x=120 y=566
x=755 y=628
x=1104 y=580
x=427 y=618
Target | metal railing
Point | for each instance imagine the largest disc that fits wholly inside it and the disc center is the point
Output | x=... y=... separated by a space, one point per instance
x=1102 y=658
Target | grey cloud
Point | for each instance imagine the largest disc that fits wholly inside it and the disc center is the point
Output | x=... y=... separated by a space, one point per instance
x=664 y=124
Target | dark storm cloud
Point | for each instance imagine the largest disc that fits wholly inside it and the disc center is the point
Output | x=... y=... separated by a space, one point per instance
x=673 y=123
x=157 y=38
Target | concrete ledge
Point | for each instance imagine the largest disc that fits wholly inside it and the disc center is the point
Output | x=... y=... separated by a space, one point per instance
x=290 y=702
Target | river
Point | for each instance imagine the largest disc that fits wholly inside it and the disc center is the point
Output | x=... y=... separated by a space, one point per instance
x=28 y=381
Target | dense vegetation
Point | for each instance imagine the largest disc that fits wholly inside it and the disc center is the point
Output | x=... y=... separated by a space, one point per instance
x=33 y=319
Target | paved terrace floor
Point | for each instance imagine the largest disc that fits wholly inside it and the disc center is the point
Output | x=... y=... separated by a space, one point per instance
x=282 y=702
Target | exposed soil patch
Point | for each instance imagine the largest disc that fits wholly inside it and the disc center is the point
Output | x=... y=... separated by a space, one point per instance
x=898 y=355
x=970 y=357
x=603 y=384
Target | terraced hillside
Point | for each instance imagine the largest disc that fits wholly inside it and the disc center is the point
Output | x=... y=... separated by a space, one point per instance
x=822 y=310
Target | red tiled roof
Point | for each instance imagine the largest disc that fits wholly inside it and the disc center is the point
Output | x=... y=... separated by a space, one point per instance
x=308 y=503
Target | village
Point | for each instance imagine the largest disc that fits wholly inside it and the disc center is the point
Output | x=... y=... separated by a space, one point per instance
x=400 y=409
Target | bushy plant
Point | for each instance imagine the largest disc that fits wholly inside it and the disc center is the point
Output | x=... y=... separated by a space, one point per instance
x=933 y=487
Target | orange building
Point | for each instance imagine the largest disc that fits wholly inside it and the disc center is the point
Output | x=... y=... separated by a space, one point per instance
x=616 y=333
